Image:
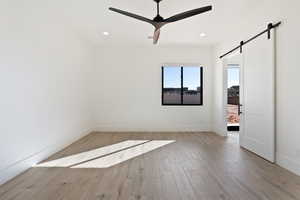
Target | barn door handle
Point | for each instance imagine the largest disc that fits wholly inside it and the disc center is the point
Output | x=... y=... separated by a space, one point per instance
x=239 y=109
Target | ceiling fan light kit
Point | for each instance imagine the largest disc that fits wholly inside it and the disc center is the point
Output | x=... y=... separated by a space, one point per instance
x=159 y=21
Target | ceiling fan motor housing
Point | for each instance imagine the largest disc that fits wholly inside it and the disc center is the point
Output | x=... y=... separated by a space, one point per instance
x=158 y=18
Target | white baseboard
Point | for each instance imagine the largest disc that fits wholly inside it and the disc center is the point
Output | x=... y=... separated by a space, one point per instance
x=25 y=163
x=220 y=130
x=288 y=163
x=173 y=128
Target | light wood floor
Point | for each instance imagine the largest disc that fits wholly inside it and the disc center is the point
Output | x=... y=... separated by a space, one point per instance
x=197 y=166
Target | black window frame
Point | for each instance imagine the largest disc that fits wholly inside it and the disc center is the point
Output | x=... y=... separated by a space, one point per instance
x=181 y=103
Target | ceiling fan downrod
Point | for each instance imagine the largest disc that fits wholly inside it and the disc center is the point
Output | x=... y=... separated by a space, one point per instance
x=158 y=18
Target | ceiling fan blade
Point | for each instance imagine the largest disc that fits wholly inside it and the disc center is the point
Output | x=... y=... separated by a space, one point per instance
x=187 y=14
x=156 y=36
x=138 y=17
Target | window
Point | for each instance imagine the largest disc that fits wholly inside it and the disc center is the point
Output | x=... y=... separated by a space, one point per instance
x=182 y=86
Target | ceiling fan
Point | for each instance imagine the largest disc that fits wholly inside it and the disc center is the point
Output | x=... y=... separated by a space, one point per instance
x=159 y=21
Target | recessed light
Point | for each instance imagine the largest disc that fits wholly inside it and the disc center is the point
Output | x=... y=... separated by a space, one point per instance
x=106 y=33
x=202 y=34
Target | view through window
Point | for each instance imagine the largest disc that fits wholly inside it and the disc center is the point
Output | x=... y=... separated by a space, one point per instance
x=182 y=85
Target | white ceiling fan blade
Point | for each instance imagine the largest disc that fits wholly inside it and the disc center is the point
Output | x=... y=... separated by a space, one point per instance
x=156 y=36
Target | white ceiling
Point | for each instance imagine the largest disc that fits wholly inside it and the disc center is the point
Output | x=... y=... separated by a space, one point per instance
x=90 y=18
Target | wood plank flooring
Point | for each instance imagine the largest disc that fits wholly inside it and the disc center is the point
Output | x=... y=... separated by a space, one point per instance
x=198 y=166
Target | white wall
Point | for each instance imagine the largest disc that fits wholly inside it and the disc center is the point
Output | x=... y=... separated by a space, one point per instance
x=288 y=97
x=44 y=83
x=129 y=90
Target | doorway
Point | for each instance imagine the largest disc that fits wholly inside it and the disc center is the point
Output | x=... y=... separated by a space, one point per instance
x=233 y=97
x=255 y=109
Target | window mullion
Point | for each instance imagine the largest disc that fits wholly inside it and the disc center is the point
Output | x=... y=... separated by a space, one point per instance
x=181 y=85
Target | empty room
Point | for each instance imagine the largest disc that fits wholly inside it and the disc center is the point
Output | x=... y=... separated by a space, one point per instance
x=149 y=100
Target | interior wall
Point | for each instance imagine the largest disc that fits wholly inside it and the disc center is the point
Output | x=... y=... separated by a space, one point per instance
x=45 y=73
x=287 y=79
x=129 y=90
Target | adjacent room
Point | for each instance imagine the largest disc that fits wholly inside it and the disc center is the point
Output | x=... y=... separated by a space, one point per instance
x=149 y=100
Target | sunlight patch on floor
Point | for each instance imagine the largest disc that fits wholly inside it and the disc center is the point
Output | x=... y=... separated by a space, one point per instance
x=109 y=155
x=89 y=155
x=124 y=155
